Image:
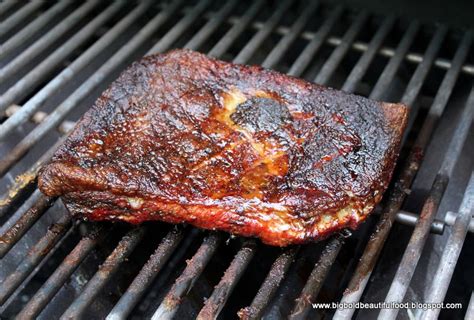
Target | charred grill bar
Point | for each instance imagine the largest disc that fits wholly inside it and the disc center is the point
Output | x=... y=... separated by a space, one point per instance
x=269 y=38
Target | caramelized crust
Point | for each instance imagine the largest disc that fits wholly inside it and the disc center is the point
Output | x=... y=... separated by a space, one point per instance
x=181 y=137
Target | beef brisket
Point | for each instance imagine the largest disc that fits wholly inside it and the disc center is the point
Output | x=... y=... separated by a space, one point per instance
x=180 y=137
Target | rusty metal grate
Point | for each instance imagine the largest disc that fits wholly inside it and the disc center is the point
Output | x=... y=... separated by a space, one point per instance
x=57 y=57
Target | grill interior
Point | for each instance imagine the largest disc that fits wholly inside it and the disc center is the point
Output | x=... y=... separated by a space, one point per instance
x=57 y=57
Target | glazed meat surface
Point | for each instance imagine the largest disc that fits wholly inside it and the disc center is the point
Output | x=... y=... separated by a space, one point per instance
x=181 y=137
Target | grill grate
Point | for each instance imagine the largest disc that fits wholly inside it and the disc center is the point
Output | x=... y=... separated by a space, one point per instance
x=51 y=73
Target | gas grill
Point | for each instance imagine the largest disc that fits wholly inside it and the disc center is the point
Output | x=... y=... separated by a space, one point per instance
x=57 y=57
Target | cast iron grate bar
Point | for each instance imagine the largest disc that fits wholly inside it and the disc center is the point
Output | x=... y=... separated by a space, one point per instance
x=11 y=236
x=36 y=254
x=144 y=34
x=105 y=272
x=330 y=252
x=33 y=104
x=145 y=277
x=364 y=62
x=246 y=53
x=452 y=249
x=186 y=280
x=31 y=29
x=42 y=44
x=228 y=39
x=413 y=251
x=396 y=197
x=5 y=7
x=29 y=82
x=389 y=72
x=360 y=46
x=215 y=303
x=283 y=262
x=126 y=303
x=19 y=16
x=338 y=54
x=147 y=274
x=213 y=23
x=420 y=74
x=62 y=273
x=285 y=43
x=312 y=47
x=19 y=190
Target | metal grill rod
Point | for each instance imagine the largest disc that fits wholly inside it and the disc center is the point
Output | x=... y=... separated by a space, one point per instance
x=364 y=62
x=452 y=250
x=21 y=210
x=338 y=54
x=420 y=73
x=36 y=254
x=387 y=52
x=213 y=23
x=184 y=283
x=30 y=81
x=33 y=104
x=246 y=53
x=31 y=29
x=46 y=41
x=149 y=29
x=316 y=278
x=94 y=287
x=417 y=80
x=146 y=275
x=19 y=16
x=270 y=285
x=390 y=70
x=169 y=38
x=222 y=291
x=214 y=304
x=329 y=255
x=14 y=234
x=283 y=262
x=105 y=272
x=413 y=251
x=47 y=291
x=396 y=197
x=228 y=39
x=23 y=183
x=311 y=48
x=5 y=6
x=284 y=44
x=186 y=280
x=470 y=308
